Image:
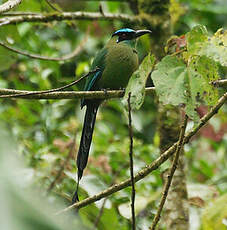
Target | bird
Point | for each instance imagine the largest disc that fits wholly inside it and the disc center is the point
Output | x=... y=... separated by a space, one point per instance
x=111 y=69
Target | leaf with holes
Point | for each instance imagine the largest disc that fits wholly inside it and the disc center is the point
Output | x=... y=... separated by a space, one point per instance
x=196 y=39
x=177 y=84
x=216 y=47
x=200 y=44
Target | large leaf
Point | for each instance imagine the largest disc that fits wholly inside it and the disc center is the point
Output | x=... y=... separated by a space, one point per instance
x=137 y=83
x=178 y=84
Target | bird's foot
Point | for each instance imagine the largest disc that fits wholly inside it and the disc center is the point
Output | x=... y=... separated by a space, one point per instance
x=105 y=91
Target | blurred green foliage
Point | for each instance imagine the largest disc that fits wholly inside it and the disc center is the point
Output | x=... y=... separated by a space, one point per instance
x=44 y=130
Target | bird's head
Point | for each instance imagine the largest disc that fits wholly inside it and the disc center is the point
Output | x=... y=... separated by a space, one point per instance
x=129 y=34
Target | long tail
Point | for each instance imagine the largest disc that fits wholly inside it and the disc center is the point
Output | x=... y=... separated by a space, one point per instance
x=85 y=143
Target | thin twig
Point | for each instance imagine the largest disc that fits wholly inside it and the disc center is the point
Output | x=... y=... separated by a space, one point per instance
x=170 y=175
x=133 y=192
x=71 y=152
x=100 y=213
x=53 y=7
x=77 y=51
x=50 y=90
x=56 y=16
x=114 y=176
x=10 y=4
x=219 y=83
x=178 y=52
x=149 y=168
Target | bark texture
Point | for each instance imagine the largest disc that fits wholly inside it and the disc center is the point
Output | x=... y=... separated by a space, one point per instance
x=156 y=17
x=176 y=215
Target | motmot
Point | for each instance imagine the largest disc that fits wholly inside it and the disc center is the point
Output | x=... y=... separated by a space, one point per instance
x=113 y=65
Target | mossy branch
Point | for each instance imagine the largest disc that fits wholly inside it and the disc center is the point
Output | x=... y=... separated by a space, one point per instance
x=10 y=4
x=23 y=94
x=56 y=16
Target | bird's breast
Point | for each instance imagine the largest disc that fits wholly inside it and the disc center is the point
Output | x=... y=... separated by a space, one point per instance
x=120 y=62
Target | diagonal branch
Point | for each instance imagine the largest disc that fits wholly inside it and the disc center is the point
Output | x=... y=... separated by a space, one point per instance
x=52 y=6
x=75 y=53
x=170 y=175
x=149 y=168
x=10 y=4
x=56 y=16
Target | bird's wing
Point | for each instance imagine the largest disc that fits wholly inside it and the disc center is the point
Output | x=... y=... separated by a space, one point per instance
x=99 y=64
x=92 y=79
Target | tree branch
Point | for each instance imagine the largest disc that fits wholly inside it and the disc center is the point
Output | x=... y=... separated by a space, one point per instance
x=51 y=94
x=10 y=4
x=220 y=83
x=133 y=192
x=170 y=175
x=56 y=16
x=13 y=93
x=149 y=168
x=100 y=214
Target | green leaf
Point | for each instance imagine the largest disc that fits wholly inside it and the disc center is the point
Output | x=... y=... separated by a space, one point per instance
x=204 y=70
x=137 y=83
x=168 y=79
x=215 y=47
x=177 y=84
x=196 y=38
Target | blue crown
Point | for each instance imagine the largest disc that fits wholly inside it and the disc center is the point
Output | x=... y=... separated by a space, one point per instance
x=126 y=30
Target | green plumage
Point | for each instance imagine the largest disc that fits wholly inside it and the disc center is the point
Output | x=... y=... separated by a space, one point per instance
x=120 y=62
x=115 y=64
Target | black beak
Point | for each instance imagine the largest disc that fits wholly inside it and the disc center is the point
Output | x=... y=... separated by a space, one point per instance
x=142 y=32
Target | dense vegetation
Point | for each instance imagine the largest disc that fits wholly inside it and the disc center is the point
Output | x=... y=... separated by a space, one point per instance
x=44 y=134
